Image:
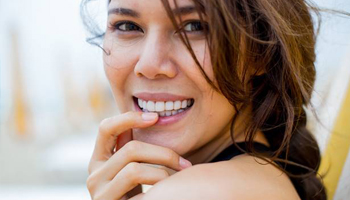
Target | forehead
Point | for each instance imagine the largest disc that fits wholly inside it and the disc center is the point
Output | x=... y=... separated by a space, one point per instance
x=152 y=10
x=148 y=5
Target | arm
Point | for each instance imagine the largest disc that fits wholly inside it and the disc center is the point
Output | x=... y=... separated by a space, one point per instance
x=236 y=179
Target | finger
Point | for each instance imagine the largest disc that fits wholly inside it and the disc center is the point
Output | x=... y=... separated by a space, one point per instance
x=136 y=151
x=111 y=128
x=132 y=175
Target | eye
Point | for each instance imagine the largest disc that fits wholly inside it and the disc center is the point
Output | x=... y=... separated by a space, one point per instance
x=195 y=26
x=127 y=26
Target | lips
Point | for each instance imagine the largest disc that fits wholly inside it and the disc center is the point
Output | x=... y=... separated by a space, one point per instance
x=171 y=108
x=160 y=96
x=164 y=108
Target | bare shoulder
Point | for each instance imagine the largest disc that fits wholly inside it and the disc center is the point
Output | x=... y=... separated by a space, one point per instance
x=240 y=178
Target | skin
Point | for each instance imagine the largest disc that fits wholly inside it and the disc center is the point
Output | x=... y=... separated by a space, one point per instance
x=131 y=149
x=156 y=62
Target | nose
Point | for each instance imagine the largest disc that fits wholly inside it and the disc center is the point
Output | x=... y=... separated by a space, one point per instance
x=155 y=60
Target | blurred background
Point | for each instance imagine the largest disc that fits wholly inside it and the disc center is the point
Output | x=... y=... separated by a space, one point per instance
x=54 y=94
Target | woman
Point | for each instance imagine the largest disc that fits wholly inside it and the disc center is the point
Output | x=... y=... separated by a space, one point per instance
x=211 y=95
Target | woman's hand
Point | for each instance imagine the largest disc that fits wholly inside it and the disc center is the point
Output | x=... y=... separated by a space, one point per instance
x=116 y=166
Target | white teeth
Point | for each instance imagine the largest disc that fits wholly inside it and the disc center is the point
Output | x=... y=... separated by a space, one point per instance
x=177 y=105
x=139 y=102
x=169 y=105
x=162 y=114
x=184 y=104
x=160 y=106
x=151 y=106
x=164 y=108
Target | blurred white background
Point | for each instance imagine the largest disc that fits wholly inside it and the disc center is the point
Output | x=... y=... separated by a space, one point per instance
x=54 y=94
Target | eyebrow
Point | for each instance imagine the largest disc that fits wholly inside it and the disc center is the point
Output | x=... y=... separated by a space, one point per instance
x=186 y=10
x=124 y=12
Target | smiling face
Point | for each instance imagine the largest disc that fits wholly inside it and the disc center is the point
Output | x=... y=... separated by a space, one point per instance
x=150 y=68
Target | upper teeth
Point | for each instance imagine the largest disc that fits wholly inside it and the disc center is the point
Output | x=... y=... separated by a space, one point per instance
x=160 y=106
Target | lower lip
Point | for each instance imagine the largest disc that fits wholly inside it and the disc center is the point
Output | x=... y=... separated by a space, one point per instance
x=167 y=120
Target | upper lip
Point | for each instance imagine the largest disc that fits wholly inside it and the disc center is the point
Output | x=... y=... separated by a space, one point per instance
x=160 y=96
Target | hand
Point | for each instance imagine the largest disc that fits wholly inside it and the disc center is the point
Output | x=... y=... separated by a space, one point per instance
x=116 y=166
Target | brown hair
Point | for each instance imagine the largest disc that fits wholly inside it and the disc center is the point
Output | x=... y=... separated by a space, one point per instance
x=262 y=54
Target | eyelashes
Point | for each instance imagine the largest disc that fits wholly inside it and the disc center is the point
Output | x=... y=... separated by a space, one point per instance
x=194 y=26
x=127 y=26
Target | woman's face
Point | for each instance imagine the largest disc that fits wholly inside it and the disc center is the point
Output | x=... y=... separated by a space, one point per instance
x=149 y=65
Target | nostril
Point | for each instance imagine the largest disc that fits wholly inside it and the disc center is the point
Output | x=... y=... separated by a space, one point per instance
x=138 y=74
x=155 y=67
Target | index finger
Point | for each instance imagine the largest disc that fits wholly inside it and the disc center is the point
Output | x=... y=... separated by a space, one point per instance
x=111 y=128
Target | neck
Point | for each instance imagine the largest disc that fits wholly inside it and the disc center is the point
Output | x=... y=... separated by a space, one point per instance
x=207 y=152
x=210 y=150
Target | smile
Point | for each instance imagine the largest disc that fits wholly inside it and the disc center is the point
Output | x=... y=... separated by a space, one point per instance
x=165 y=108
x=171 y=108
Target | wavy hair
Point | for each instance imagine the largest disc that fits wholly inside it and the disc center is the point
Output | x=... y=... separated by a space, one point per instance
x=263 y=55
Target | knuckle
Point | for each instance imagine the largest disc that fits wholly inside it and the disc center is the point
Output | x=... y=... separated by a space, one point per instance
x=103 y=130
x=132 y=147
x=131 y=171
x=91 y=182
x=94 y=180
x=133 y=168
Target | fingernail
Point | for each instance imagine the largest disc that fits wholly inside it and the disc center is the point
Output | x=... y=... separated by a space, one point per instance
x=149 y=116
x=184 y=163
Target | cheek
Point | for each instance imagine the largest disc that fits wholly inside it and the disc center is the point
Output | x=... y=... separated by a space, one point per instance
x=115 y=55
x=119 y=61
x=202 y=53
x=213 y=111
x=193 y=71
x=118 y=69
x=214 y=114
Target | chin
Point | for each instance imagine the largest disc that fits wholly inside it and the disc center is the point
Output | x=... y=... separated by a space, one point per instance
x=174 y=141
